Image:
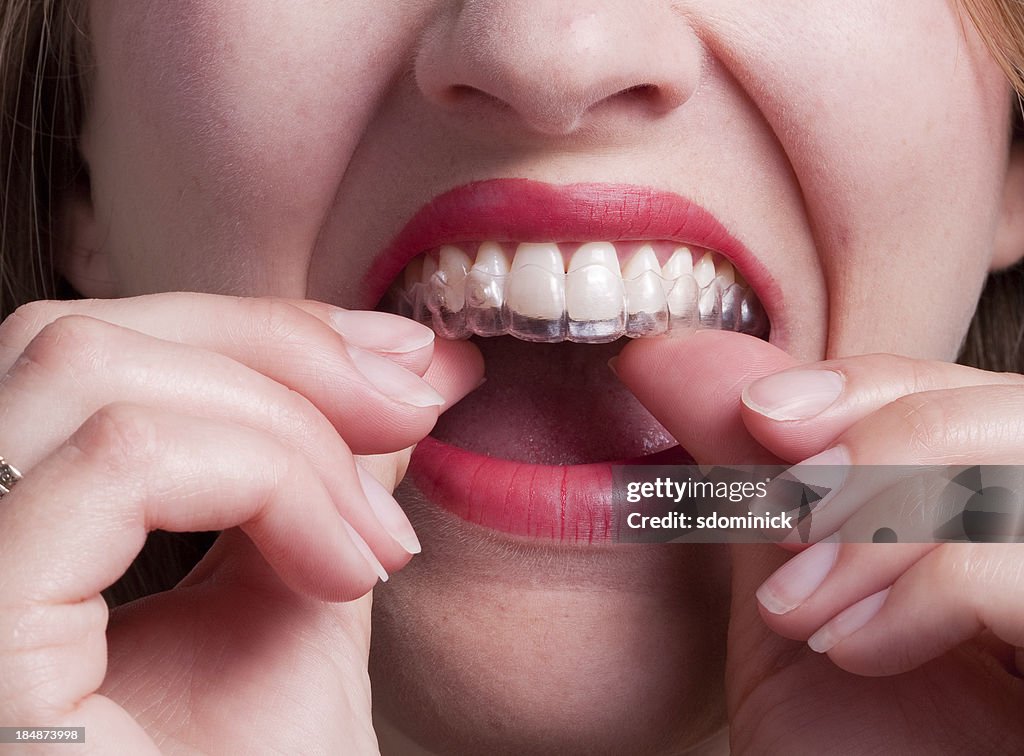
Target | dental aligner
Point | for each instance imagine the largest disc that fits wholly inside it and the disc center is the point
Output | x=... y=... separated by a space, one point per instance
x=533 y=297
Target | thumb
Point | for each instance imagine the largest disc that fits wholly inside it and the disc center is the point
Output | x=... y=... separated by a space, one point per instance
x=692 y=384
x=456 y=369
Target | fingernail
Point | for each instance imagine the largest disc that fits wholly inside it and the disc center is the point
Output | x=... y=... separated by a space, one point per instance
x=794 y=582
x=825 y=472
x=611 y=365
x=794 y=394
x=847 y=622
x=820 y=479
x=388 y=512
x=381 y=331
x=393 y=380
x=366 y=551
x=814 y=482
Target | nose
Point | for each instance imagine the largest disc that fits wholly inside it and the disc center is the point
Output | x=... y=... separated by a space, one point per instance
x=559 y=65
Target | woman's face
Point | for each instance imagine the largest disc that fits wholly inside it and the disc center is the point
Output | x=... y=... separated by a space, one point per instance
x=856 y=151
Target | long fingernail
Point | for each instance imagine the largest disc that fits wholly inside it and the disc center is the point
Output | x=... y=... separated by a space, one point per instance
x=794 y=394
x=363 y=548
x=847 y=622
x=393 y=380
x=389 y=512
x=795 y=581
x=826 y=472
x=807 y=490
x=381 y=332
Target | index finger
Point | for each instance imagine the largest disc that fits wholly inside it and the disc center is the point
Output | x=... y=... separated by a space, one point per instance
x=374 y=402
x=201 y=319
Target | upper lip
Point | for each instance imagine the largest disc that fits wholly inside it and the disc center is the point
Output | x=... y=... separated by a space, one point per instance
x=515 y=210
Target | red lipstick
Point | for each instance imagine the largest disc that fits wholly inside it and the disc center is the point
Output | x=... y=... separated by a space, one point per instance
x=518 y=210
x=562 y=503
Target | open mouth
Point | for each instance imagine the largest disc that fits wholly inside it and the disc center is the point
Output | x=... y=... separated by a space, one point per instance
x=530 y=452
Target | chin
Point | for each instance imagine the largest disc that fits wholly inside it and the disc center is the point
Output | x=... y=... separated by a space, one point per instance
x=491 y=644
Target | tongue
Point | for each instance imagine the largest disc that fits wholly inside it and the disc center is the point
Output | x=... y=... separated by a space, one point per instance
x=552 y=404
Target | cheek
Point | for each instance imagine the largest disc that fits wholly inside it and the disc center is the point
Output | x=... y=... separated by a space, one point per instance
x=910 y=236
x=894 y=118
x=227 y=125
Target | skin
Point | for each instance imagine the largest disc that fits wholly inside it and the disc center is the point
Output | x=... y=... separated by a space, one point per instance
x=254 y=149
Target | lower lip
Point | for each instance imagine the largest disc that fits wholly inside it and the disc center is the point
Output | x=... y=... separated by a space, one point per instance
x=565 y=503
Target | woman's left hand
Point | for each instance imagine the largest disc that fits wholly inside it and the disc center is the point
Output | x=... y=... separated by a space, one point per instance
x=897 y=615
x=880 y=611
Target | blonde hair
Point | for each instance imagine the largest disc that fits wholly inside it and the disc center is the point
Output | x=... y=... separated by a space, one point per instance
x=44 y=73
x=1001 y=24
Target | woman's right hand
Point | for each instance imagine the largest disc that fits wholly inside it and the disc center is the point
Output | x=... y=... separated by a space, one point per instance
x=195 y=412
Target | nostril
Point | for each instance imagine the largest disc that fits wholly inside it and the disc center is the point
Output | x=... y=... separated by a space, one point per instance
x=549 y=63
x=461 y=93
x=549 y=118
x=652 y=96
x=639 y=91
x=642 y=94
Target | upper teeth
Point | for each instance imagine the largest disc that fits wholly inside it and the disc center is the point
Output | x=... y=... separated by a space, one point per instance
x=532 y=295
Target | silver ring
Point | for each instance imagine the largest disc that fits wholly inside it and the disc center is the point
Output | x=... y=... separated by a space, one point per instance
x=9 y=475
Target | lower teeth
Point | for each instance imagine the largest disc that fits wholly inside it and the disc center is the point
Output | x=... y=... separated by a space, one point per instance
x=535 y=304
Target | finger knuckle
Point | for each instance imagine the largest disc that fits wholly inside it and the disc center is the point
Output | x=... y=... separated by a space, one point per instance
x=273 y=321
x=75 y=342
x=37 y=640
x=121 y=437
x=922 y=375
x=23 y=324
x=969 y=569
x=284 y=468
x=925 y=423
x=298 y=419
